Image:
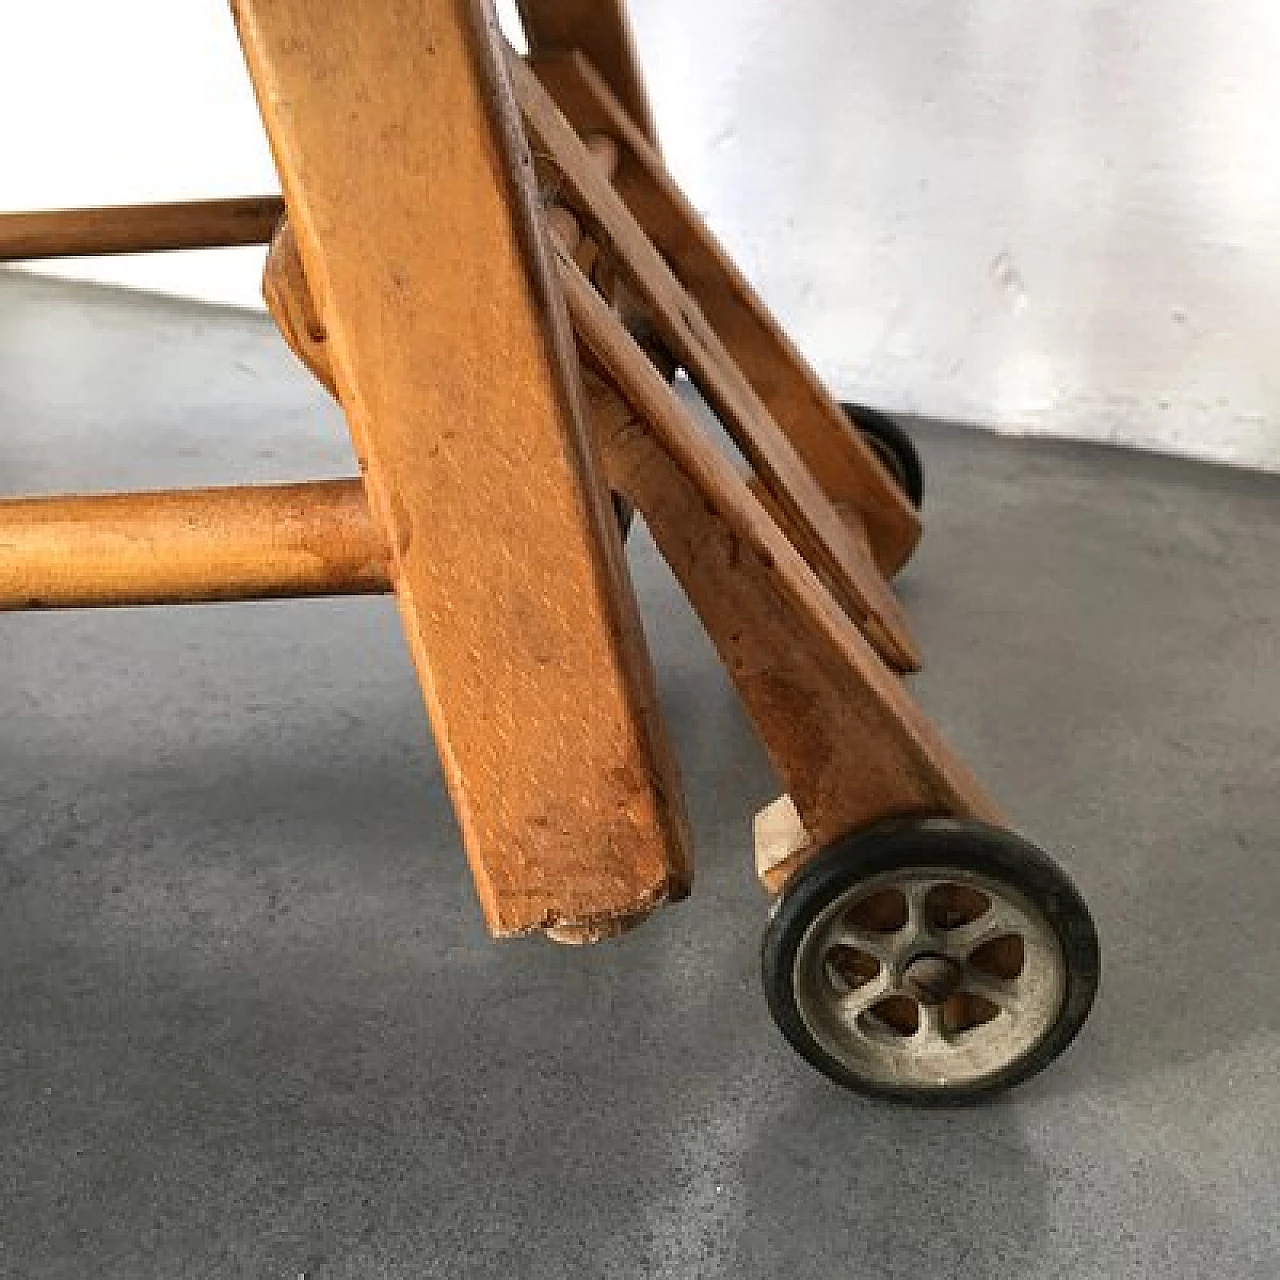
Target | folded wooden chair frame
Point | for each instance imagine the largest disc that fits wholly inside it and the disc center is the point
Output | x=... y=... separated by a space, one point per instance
x=484 y=259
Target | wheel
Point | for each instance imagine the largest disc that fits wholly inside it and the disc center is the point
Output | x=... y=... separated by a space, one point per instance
x=930 y=960
x=893 y=446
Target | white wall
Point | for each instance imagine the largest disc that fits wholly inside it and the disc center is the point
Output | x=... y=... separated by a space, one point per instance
x=132 y=101
x=1060 y=218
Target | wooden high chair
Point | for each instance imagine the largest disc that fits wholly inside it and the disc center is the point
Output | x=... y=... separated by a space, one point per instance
x=484 y=259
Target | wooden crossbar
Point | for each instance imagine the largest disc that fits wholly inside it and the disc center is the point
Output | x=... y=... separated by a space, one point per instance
x=190 y=546
x=139 y=228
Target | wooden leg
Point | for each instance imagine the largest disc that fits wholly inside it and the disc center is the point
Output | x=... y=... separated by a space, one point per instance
x=847 y=739
x=409 y=190
x=822 y=535
x=850 y=473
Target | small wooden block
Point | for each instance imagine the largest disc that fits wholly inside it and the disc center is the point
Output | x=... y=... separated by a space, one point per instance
x=410 y=192
x=780 y=837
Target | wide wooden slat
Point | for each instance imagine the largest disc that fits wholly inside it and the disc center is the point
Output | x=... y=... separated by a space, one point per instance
x=845 y=736
x=822 y=536
x=409 y=190
x=139 y=228
x=602 y=31
x=848 y=471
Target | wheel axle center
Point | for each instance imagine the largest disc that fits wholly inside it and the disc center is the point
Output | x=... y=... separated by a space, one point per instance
x=931 y=978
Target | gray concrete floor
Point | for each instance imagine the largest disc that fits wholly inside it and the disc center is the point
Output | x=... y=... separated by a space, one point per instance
x=251 y=1024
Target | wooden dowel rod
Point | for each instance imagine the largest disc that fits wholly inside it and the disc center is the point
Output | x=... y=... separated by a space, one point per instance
x=190 y=547
x=140 y=228
x=562 y=222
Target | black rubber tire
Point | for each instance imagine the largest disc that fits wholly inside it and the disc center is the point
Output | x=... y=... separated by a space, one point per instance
x=893 y=446
x=946 y=843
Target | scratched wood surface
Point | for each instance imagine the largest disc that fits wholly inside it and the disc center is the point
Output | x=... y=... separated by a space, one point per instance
x=844 y=734
x=848 y=742
x=849 y=472
x=409 y=191
x=846 y=739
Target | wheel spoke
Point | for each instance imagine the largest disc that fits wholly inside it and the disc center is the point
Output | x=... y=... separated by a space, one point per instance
x=999 y=920
x=1001 y=992
x=930 y=1033
x=880 y=945
x=917 y=892
x=860 y=1000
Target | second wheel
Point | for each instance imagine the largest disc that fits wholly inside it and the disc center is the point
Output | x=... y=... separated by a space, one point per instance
x=893 y=446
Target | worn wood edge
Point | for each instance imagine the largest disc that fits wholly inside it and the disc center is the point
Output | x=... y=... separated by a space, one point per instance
x=292 y=307
x=628 y=632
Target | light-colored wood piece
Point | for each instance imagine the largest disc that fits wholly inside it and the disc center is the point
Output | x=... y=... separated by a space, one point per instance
x=842 y=731
x=601 y=29
x=780 y=839
x=849 y=472
x=190 y=546
x=140 y=228
x=410 y=192
x=822 y=535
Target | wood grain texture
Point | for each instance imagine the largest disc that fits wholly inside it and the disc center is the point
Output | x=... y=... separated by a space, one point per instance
x=842 y=731
x=410 y=192
x=140 y=228
x=849 y=472
x=822 y=535
x=602 y=31
x=190 y=546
